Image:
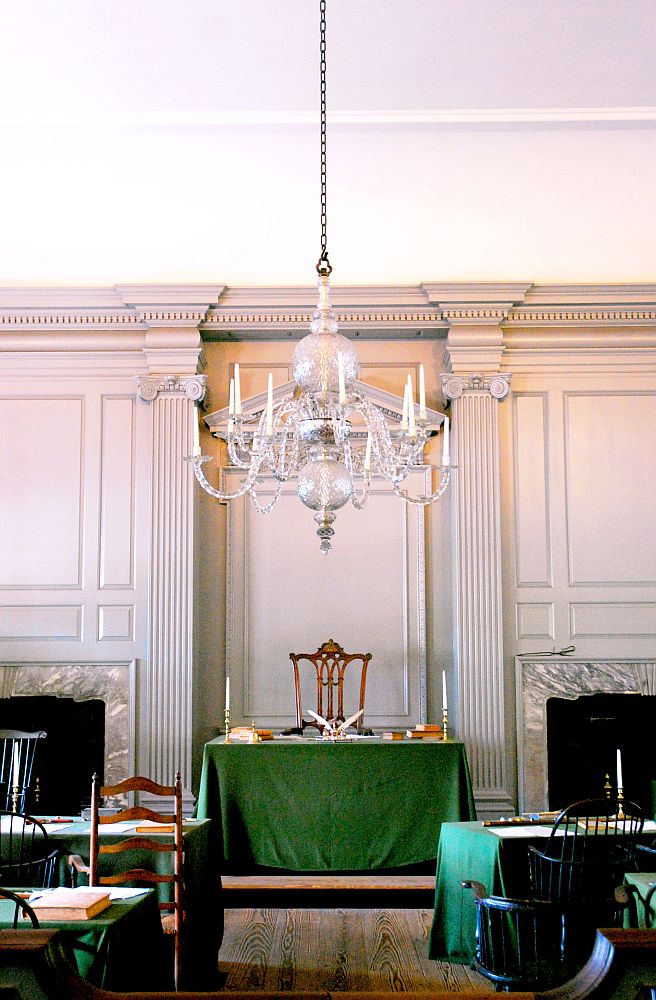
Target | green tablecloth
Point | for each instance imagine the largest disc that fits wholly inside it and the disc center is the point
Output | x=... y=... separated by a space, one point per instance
x=202 y=885
x=644 y=895
x=471 y=851
x=497 y=859
x=316 y=806
x=123 y=948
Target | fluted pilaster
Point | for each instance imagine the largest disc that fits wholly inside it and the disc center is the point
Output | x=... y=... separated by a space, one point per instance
x=479 y=640
x=166 y=698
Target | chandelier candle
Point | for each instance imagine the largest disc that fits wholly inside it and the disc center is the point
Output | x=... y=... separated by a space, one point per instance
x=326 y=433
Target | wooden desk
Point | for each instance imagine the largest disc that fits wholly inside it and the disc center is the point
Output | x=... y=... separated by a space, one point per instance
x=123 y=948
x=311 y=805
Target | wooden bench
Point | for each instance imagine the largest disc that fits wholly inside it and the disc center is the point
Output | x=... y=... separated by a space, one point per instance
x=329 y=891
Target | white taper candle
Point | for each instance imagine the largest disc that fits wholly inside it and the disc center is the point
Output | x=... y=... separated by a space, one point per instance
x=15 y=772
x=444 y=704
x=446 y=458
x=237 y=392
x=412 y=429
x=269 y=410
x=406 y=405
x=422 y=393
x=227 y=703
x=620 y=783
x=196 y=434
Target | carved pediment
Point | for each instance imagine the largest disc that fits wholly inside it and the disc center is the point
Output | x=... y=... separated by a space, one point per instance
x=253 y=407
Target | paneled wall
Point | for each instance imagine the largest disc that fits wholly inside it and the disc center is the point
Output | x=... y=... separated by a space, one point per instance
x=73 y=573
x=581 y=475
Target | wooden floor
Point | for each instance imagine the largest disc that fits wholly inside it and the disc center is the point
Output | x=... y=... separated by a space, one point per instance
x=340 y=949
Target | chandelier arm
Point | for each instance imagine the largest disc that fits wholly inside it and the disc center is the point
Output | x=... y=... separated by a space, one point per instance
x=361 y=502
x=197 y=464
x=266 y=508
x=423 y=500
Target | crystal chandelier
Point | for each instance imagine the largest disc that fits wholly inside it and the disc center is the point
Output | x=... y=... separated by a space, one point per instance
x=327 y=434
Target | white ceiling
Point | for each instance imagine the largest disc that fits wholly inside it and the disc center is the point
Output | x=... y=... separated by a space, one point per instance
x=176 y=140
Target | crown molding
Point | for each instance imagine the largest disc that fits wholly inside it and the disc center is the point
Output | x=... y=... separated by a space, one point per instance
x=167 y=324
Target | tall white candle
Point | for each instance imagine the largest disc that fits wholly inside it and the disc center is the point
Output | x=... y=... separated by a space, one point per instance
x=341 y=379
x=620 y=783
x=196 y=435
x=412 y=430
x=15 y=773
x=367 y=455
x=422 y=393
x=237 y=392
x=227 y=703
x=446 y=458
x=231 y=399
x=406 y=406
x=444 y=704
x=269 y=410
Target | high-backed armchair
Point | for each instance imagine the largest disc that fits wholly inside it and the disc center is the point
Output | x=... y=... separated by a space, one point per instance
x=329 y=663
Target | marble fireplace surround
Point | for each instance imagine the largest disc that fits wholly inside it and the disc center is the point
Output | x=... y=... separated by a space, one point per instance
x=561 y=677
x=113 y=683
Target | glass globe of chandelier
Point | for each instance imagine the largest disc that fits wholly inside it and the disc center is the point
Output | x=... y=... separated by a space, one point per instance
x=327 y=435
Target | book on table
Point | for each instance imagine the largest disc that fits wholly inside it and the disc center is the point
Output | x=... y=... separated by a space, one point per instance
x=62 y=903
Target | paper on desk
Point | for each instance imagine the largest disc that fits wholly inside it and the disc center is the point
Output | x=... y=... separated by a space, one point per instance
x=126 y=893
x=110 y=828
x=521 y=830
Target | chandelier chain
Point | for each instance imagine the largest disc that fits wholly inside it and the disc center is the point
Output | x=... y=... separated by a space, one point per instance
x=323 y=264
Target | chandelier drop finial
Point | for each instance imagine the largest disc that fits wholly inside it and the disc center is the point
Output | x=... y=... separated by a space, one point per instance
x=326 y=434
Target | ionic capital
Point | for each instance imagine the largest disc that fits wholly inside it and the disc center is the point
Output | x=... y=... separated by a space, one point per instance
x=191 y=386
x=498 y=385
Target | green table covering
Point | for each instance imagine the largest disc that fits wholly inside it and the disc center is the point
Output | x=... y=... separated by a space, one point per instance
x=644 y=884
x=495 y=856
x=471 y=851
x=202 y=886
x=123 y=948
x=311 y=805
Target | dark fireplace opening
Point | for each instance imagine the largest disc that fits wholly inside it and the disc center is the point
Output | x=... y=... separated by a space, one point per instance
x=583 y=736
x=67 y=758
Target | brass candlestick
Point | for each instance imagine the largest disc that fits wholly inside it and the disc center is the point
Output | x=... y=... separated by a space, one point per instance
x=620 y=800
x=445 y=724
x=226 y=721
x=15 y=792
x=607 y=786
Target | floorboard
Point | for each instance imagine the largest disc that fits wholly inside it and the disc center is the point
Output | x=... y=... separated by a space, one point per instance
x=338 y=949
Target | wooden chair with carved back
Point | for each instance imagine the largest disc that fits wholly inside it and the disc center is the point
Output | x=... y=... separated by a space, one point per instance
x=329 y=663
x=135 y=872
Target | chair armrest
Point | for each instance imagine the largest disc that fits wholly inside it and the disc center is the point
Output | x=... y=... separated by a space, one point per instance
x=77 y=866
x=479 y=889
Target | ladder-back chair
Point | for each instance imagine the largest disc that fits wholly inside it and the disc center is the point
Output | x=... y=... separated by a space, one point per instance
x=17 y=750
x=329 y=663
x=134 y=873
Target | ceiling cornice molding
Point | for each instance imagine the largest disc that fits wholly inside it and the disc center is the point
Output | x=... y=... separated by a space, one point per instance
x=526 y=316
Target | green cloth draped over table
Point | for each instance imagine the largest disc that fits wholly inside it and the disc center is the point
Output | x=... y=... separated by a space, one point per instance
x=644 y=884
x=202 y=884
x=312 y=805
x=472 y=851
x=495 y=856
x=122 y=948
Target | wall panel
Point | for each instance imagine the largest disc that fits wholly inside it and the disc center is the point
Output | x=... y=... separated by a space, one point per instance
x=41 y=510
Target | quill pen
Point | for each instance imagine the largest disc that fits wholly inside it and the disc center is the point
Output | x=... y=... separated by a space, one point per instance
x=319 y=718
x=350 y=720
